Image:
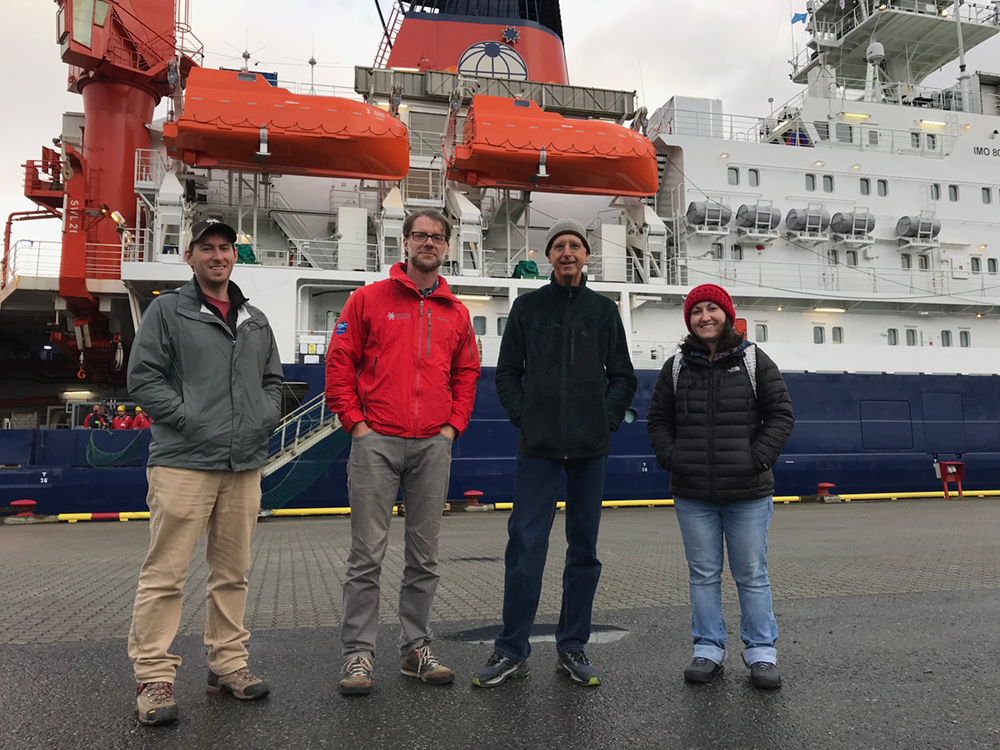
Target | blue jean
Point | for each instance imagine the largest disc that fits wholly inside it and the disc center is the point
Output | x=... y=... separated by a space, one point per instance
x=744 y=526
x=536 y=491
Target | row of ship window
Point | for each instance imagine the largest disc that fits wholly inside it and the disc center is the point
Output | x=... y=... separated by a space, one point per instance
x=865 y=184
x=837 y=336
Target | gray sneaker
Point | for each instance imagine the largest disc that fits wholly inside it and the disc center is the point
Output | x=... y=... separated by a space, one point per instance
x=357 y=676
x=578 y=667
x=702 y=670
x=499 y=669
x=240 y=684
x=765 y=675
x=155 y=703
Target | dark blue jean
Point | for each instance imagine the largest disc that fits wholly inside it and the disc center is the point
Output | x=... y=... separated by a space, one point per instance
x=536 y=491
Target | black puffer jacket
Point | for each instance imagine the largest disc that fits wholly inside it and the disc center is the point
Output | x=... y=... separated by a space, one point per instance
x=564 y=374
x=717 y=441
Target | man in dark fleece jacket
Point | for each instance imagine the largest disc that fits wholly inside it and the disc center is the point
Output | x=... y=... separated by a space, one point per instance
x=565 y=378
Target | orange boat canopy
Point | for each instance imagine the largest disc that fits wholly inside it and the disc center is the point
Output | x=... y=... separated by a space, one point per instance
x=229 y=114
x=504 y=141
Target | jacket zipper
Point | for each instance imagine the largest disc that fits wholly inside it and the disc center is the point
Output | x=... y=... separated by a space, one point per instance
x=416 y=394
x=711 y=430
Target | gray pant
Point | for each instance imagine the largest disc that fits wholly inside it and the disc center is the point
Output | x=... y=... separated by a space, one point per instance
x=379 y=466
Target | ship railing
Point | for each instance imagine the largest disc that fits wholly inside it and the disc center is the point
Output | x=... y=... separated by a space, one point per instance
x=150 y=168
x=425 y=143
x=104 y=260
x=652 y=351
x=358 y=198
x=298 y=432
x=319 y=89
x=333 y=255
x=33 y=258
x=424 y=187
x=137 y=245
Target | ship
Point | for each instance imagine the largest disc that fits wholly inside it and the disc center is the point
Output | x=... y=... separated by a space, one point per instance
x=855 y=226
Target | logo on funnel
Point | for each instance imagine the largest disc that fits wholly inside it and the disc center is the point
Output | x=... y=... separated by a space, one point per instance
x=493 y=59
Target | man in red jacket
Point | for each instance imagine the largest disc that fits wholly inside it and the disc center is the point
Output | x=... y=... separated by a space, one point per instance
x=401 y=374
x=123 y=421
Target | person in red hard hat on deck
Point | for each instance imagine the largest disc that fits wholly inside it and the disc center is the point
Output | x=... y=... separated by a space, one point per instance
x=122 y=420
x=401 y=374
x=140 y=421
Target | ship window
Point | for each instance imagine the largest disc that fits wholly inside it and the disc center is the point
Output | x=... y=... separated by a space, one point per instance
x=101 y=9
x=822 y=130
x=83 y=22
x=866 y=186
x=828 y=183
x=832 y=258
x=923 y=262
x=838 y=335
x=819 y=334
x=953 y=193
x=883 y=188
x=872 y=137
x=987 y=195
x=852 y=257
x=753 y=175
x=964 y=339
x=479 y=325
x=734 y=176
x=935 y=191
x=945 y=338
x=501 y=325
x=911 y=336
x=718 y=251
x=976 y=265
x=760 y=333
x=915 y=140
x=810 y=182
x=893 y=337
x=737 y=252
x=991 y=265
x=906 y=260
x=845 y=132
x=931 y=141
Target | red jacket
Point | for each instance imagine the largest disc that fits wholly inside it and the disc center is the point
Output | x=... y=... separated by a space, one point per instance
x=405 y=364
x=141 y=421
x=122 y=423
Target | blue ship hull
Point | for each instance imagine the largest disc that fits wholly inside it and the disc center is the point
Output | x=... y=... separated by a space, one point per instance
x=864 y=433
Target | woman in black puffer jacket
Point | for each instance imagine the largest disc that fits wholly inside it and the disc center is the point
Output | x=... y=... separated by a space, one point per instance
x=718 y=420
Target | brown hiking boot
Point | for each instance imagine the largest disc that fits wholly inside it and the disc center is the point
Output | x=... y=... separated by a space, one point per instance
x=240 y=684
x=155 y=703
x=357 y=678
x=422 y=664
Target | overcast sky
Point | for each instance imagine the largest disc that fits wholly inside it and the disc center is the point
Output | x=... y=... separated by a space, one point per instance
x=723 y=49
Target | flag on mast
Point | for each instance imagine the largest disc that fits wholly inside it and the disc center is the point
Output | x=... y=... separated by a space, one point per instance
x=799 y=17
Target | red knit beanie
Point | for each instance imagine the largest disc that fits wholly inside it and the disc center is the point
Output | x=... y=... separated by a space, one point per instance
x=708 y=293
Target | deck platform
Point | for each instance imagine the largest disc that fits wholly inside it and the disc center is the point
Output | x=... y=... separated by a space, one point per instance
x=888 y=617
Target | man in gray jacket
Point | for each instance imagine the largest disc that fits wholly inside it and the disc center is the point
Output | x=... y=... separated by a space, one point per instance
x=205 y=368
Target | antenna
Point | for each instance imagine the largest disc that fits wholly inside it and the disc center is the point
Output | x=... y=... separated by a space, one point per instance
x=246 y=54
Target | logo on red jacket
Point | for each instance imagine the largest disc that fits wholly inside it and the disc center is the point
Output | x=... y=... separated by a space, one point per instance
x=341 y=328
x=397 y=316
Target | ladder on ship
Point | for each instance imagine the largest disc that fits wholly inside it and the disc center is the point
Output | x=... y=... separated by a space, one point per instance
x=301 y=430
x=389 y=35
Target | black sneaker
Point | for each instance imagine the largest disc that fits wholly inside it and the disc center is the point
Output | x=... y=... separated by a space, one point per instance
x=701 y=670
x=765 y=675
x=576 y=665
x=498 y=668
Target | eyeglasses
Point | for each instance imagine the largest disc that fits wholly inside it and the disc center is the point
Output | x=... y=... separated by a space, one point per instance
x=437 y=239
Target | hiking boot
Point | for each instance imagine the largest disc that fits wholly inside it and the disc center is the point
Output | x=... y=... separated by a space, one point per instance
x=701 y=670
x=422 y=664
x=240 y=684
x=498 y=668
x=765 y=675
x=155 y=703
x=576 y=665
x=357 y=678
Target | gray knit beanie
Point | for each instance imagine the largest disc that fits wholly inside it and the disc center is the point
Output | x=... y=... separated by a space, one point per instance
x=566 y=226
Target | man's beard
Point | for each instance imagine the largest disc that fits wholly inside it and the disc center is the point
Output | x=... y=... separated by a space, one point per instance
x=425 y=265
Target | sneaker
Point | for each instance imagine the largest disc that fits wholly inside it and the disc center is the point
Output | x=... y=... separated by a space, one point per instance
x=155 y=703
x=422 y=664
x=765 y=675
x=357 y=678
x=498 y=668
x=576 y=665
x=240 y=684
x=701 y=670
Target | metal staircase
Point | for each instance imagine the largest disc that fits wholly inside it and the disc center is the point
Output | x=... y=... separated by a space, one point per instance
x=298 y=234
x=301 y=430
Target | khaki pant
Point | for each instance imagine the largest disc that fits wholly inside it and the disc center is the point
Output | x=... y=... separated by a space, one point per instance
x=182 y=504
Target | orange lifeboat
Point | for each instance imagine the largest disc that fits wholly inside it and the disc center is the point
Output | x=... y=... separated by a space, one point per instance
x=226 y=114
x=504 y=140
